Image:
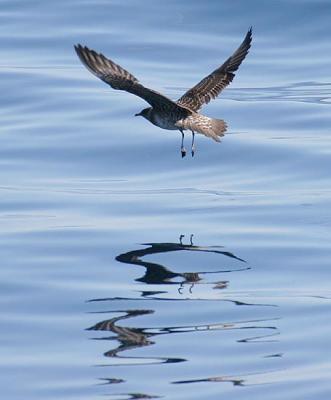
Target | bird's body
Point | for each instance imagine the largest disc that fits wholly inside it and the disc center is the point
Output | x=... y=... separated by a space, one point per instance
x=165 y=113
x=194 y=122
x=162 y=119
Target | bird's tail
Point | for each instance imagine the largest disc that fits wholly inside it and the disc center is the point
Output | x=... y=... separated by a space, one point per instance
x=218 y=127
x=210 y=127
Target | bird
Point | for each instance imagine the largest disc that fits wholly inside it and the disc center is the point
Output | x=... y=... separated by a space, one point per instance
x=183 y=114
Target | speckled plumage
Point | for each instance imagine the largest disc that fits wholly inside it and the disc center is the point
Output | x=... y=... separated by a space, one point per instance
x=164 y=112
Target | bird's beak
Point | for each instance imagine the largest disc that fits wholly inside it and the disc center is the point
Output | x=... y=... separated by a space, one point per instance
x=137 y=115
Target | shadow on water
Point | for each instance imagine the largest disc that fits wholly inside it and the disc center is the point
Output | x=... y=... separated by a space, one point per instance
x=128 y=338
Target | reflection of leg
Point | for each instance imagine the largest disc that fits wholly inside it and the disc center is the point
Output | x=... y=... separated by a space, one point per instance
x=181 y=237
x=182 y=149
x=192 y=147
x=181 y=287
x=191 y=239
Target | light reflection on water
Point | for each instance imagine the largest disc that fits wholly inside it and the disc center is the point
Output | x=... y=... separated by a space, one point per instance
x=240 y=309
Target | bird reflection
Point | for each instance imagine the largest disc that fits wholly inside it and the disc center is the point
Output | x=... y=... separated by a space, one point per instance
x=234 y=380
x=130 y=338
x=136 y=336
x=158 y=274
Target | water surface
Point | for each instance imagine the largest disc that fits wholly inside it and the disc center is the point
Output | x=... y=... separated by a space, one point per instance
x=130 y=273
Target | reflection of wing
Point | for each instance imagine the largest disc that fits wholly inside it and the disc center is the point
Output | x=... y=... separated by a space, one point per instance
x=120 y=79
x=129 y=338
x=212 y=85
x=158 y=274
x=235 y=381
x=228 y=254
x=168 y=247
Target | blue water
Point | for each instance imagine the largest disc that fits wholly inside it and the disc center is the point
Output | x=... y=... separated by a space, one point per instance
x=128 y=272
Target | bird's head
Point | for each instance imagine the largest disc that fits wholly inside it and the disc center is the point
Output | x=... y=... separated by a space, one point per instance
x=144 y=113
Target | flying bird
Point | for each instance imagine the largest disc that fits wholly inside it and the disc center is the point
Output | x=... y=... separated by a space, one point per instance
x=165 y=113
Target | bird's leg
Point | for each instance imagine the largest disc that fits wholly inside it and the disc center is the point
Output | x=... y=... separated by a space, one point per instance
x=182 y=148
x=193 y=147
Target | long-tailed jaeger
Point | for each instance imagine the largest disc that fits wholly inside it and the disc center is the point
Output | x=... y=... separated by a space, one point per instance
x=165 y=113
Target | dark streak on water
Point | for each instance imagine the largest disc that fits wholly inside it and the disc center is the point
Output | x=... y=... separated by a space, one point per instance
x=129 y=273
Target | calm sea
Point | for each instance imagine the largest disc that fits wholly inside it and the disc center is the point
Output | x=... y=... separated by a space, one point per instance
x=128 y=272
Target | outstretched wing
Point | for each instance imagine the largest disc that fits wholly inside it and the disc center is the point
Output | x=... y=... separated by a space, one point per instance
x=120 y=79
x=211 y=86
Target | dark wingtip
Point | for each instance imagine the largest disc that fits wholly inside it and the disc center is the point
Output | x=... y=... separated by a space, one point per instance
x=249 y=35
x=78 y=48
x=248 y=39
